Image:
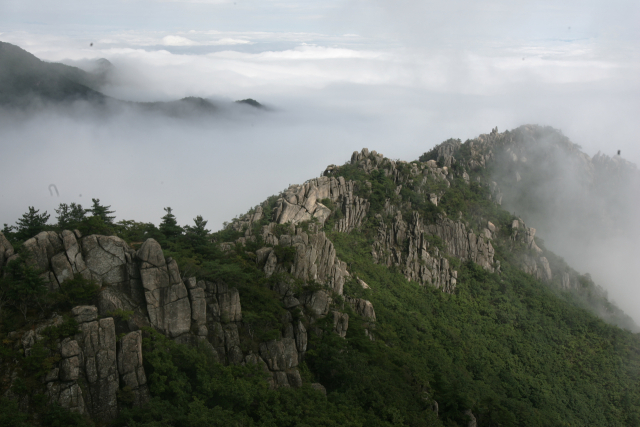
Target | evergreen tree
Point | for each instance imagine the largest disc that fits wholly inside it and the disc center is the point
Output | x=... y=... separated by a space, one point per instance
x=197 y=234
x=101 y=211
x=169 y=225
x=31 y=223
x=8 y=231
x=69 y=216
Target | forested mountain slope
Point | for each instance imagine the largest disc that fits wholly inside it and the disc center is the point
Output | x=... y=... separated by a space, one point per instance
x=382 y=293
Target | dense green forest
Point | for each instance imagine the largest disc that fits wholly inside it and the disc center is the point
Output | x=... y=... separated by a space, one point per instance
x=509 y=348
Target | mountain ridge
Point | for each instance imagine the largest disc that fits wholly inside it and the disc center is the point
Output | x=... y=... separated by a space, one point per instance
x=400 y=290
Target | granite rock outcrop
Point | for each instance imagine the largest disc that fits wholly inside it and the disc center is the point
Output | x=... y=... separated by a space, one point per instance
x=91 y=367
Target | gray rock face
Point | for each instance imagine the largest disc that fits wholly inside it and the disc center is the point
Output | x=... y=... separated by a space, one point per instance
x=198 y=301
x=302 y=202
x=165 y=293
x=367 y=161
x=463 y=244
x=85 y=313
x=354 y=210
x=61 y=267
x=280 y=355
x=43 y=247
x=301 y=338
x=317 y=302
x=315 y=259
x=98 y=342
x=537 y=265
x=93 y=366
x=422 y=263
x=223 y=302
x=130 y=367
x=363 y=307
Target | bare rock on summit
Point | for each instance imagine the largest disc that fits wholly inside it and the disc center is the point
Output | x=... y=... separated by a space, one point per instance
x=301 y=203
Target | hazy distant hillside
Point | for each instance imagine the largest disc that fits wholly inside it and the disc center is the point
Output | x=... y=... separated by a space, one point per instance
x=23 y=77
x=26 y=81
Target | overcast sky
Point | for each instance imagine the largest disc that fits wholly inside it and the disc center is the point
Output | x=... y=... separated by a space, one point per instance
x=394 y=76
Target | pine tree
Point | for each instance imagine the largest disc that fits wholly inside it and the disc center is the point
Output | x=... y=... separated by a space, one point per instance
x=69 y=216
x=101 y=211
x=7 y=230
x=169 y=225
x=31 y=223
x=198 y=233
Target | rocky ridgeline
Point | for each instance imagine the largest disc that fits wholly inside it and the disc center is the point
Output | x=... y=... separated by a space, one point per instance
x=300 y=203
x=400 y=243
x=513 y=154
x=94 y=365
x=406 y=244
x=315 y=257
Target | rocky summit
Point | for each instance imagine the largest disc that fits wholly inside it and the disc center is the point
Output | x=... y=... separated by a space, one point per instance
x=382 y=293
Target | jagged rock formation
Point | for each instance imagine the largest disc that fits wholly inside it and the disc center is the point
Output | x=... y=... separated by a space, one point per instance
x=422 y=263
x=315 y=258
x=302 y=202
x=463 y=243
x=93 y=365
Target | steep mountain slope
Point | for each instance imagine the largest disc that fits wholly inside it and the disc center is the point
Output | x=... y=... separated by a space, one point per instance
x=582 y=206
x=24 y=77
x=382 y=293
